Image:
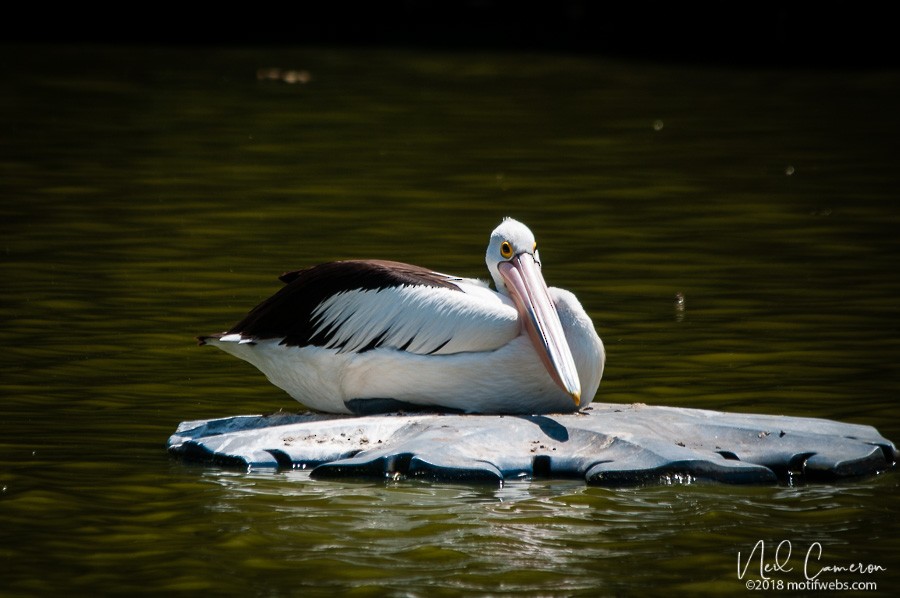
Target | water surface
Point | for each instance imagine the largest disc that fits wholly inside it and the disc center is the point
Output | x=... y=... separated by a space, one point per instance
x=150 y=195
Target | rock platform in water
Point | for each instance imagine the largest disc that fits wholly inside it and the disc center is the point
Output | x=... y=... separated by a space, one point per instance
x=606 y=444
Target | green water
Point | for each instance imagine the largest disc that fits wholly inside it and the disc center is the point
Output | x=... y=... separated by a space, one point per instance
x=147 y=196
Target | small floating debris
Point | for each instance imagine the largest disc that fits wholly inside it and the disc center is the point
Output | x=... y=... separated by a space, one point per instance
x=289 y=76
x=679 y=306
x=658 y=125
x=789 y=170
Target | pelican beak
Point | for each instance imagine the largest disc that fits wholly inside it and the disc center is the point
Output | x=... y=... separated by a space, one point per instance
x=529 y=291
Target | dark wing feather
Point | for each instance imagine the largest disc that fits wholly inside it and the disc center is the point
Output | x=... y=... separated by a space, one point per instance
x=288 y=313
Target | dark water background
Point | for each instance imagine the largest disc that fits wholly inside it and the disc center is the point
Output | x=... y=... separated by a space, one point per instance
x=149 y=195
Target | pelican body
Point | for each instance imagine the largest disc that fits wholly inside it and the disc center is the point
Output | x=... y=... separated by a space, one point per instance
x=370 y=336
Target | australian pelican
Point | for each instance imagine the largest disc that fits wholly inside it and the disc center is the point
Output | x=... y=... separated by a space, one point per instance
x=375 y=336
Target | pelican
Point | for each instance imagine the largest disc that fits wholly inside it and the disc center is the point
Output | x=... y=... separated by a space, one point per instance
x=371 y=336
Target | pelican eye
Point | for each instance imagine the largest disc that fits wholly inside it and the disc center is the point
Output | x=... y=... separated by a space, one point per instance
x=506 y=249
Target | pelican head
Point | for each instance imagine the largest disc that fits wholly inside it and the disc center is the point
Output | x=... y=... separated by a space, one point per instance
x=513 y=261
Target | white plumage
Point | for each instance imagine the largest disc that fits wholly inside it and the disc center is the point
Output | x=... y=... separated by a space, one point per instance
x=475 y=320
x=370 y=336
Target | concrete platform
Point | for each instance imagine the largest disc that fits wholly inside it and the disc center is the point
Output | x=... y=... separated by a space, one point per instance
x=605 y=445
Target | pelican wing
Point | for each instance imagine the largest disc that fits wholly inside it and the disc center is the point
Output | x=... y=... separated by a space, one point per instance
x=357 y=306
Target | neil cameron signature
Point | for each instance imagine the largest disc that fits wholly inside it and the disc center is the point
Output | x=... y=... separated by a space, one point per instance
x=780 y=562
